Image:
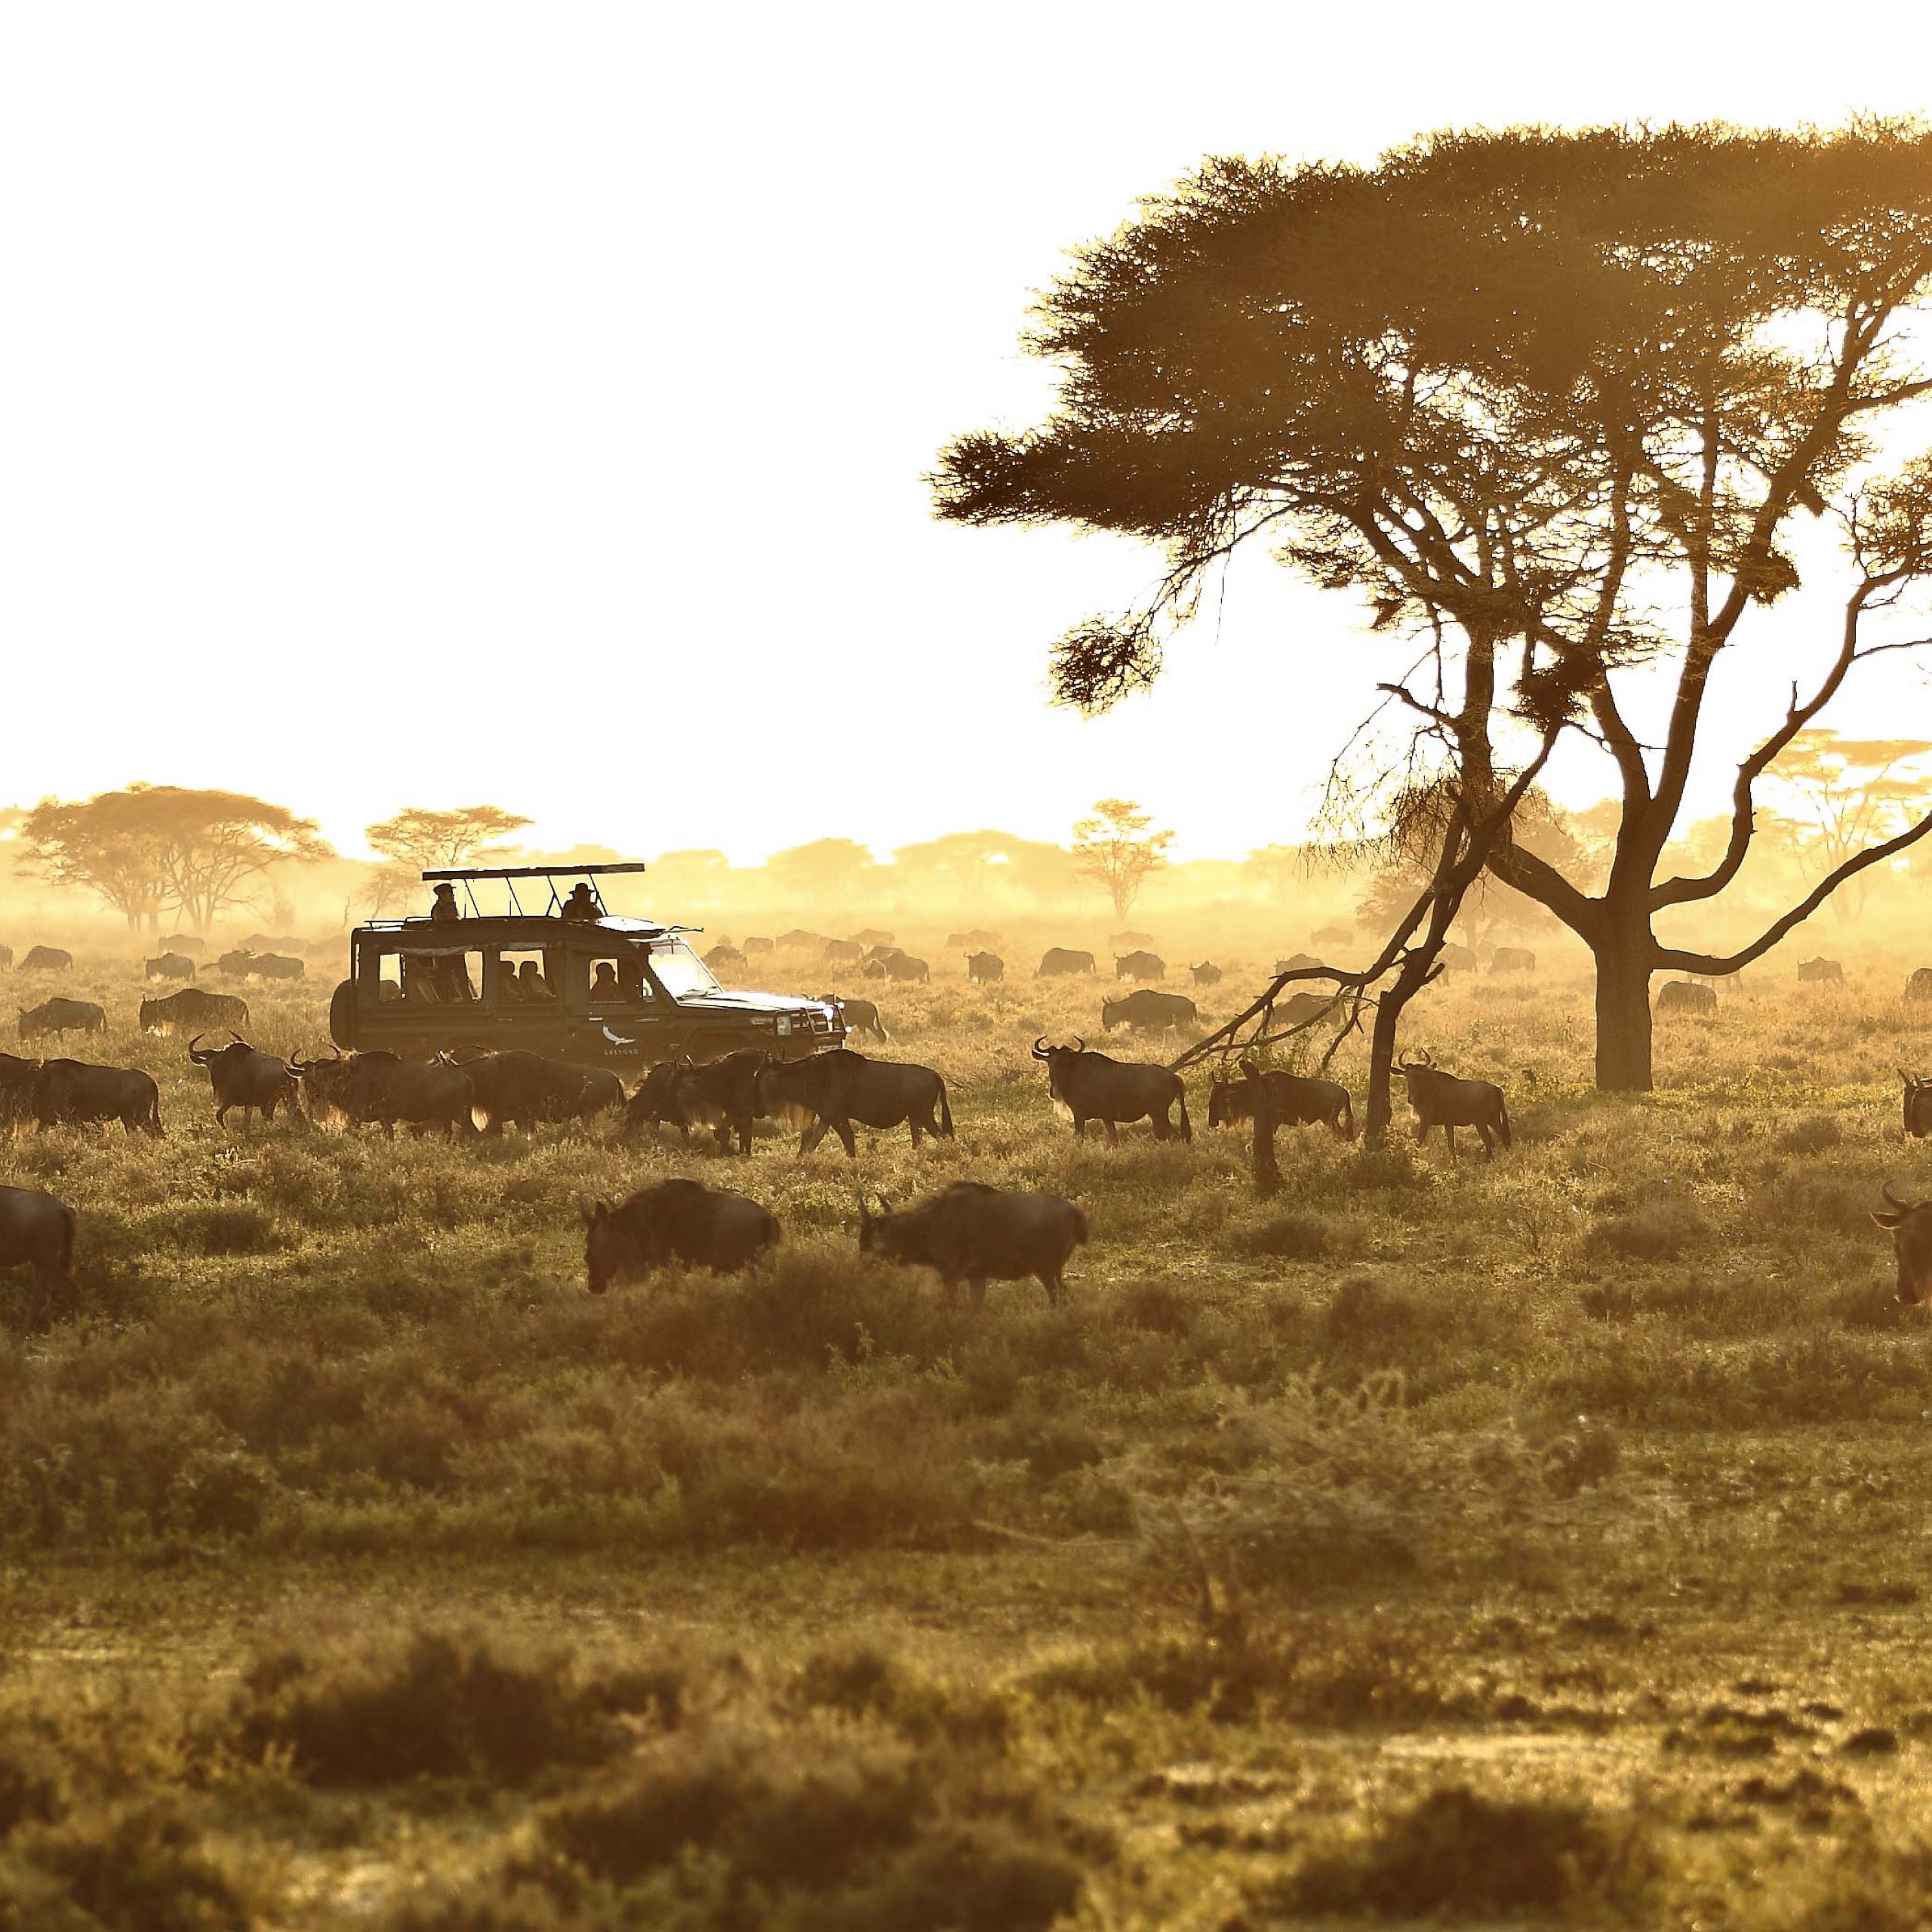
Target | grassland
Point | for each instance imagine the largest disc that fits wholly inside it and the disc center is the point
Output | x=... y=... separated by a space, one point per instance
x=1540 y=1541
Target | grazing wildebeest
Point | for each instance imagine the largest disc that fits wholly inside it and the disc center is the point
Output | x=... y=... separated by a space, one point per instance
x=975 y=941
x=1139 y=966
x=1057 y=962
x=901 y=966
x=843 y=952
x=1333 y=935
x=1298 y=1007
x=1458 y=958
x=722 y=1096
x=724 y=958
x=75 y=1093
x=1819 y=972
x=1297 y=962
x=676 y=1220
x=1919 y=986
x=828 y=1092
x=170 y=966
x=192 y=1007
x=47 y=959
x=1513 y=959
x=276 y=966
x=1089 y=1086
x=527 y=1090
x=1686 y=996
x=1910 y=1226
x=1299 y=1100
x=984 y=969
x=62 y=1015
x=973 y=1233
x=757 y=948
x=1207 y=974
x=1918 y=1105
x=860 y=1015
x=243 y=1076
x=1441 y=1099
x=236 y=965
x=375 y=1086
x=18 y=1079
x=655 y=1100
x=1148 y=1011
x=38 y=1230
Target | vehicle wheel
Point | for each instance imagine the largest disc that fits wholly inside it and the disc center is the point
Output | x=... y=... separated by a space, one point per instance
x=342 y=1016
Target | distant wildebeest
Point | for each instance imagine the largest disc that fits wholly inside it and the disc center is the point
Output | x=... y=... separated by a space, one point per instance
x=1089 y=1086
x=1333 y=935
x=193 y=1010
x=1059 y=960
x=1686 y=996
x=860 y=1015
x=984 y=969
x=656 y=1101
x=6 y=955
x=274 y=943
x=37 y=1230
x=187 y=943
x=676 y=1220
x=1910 y=1226
x=1513 y=959
x=170 y=966
x=377 y=1088
x=61 y=1016
x=902 y=966
x=975 y=941
x=872 y=937
x=1299 y=1100
x=827 y=1093
x=1820 y=972
x=1458 y=958
x=243 y=1076
x=1918 y=1105
x=843 y=952
x=973 y=1233
x=1299 y=1008
x=1139 y=966
x=725 y=959
x=276 y=966
x=758 y=948
x=529 y=1089
x=798 y=940
x=47 y=959
x=1207 y=974
x=1919 y=986
x=1129 y=942
x=72 y=1092
x=723 y=1096
x=236 y=965
x=880 y=948
x=1298 y=962
x=1441 y=1099
x=1147 y=1011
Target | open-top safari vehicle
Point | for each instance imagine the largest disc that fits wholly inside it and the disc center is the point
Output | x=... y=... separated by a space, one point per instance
x=573 y=981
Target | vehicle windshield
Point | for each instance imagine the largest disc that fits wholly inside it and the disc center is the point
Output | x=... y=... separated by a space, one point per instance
x=680 y=969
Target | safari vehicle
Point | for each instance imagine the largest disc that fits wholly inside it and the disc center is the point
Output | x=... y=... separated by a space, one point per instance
x=572 y=981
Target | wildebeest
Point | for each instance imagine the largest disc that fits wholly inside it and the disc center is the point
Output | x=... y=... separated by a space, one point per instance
x=1918 y=1105
x=828 y=1092
x=378 y=1087
x=1139 y=966
x=170 y=966
x=1513 y=959
x=1129 y=942
x=1333 y=935
x=18 y=1079
x=188 y=942
x=1297 y=962
x=676 y=1220
x=1299 y=1100
x=1057 y=962
x=61 y=1016
x=276 y=966
x=903 y=966
x=873 y=937
x=1207 y=974
x=860 y=1015
x=191 y=1008
x=1299 y=1007
x=1919 y=986
x=973 y=1233
x=984 y=969
x=527 y=1090
x=237 y=964
x=243 y=1076
x=883 y=949
x=722 y=1096
x=1910 y=1226
x=1441 y=1099
x=1457 y=958
x=47 y=959
x=73 y=1092
x=977 y=940
x=724 y=958
x=38 y=1230
x=1686 y=996
x=1089 y=1086
x=655 y=1100
x=1820 y=972
x=843 y=952
x=756 y=947
x=1148 y=1011
x=798 y=940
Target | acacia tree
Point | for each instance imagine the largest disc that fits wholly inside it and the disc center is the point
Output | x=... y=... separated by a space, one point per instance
x=1843 y=795
x=1552 y=404
x=417 y=837
x=1116 y=848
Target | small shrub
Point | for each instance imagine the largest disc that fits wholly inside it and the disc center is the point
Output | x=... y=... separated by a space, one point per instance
x=141 y=1869
x=1157 y=1306
x=1287 y=1237
x=1659 y=1229
x=1812 y=1135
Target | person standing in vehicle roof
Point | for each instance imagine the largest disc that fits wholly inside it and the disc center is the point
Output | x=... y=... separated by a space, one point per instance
x=581 y=907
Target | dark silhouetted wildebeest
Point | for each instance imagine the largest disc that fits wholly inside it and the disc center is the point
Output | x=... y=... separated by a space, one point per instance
x=170 y=966
x=38 y=1231
x=1207 y=974
x=985 y=969
x=723 y=1095
x=860 y=1015
x=724 y=958
x=72 y=1092
x=798 y=940
x=1333 y=935
x=676 y=1220
x=830 y=1092
x=1130 y=942
x=902 y=966
x=974 y=1233
x=1139 y=966
x=1441 y=1099
x=193 y=1010
x=756 y=949
x=656 y=1101
x=276 y=966
x=528 y=1090
x=1919 y=986
x=1820 y=972
x=1513 y=959
x=1918 y=1105
x=1298 y=962
x=1910 y=1226
x=1057 y=962
x=18 y=1079
x=1299 y=1008
x=1458 y=958
x=47 y=959
x=62 y=1015
x=1299 y=1100
x=378 y=1087
x=843 y=952
x=236 y=965
x=1686 y=996
x=243 y=1076
x=1089 y=1086
x=1147 y=1011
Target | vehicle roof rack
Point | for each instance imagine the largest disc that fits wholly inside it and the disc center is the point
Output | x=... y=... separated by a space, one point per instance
x=533 y=872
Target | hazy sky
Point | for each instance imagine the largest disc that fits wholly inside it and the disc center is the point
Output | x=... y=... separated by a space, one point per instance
x=412 y=403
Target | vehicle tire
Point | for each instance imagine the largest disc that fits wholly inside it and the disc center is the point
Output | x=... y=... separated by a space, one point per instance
x=342 y=1016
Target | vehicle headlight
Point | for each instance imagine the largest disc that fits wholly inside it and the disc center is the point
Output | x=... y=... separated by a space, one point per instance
x=784 y=1023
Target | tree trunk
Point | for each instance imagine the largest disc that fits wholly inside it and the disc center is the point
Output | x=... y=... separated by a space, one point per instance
x=1624 y=966
x=1410 y=981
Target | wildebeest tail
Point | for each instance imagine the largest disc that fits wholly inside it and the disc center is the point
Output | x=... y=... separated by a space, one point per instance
x=1186 y=1125
x=1503 y=1121
x=945 y=1109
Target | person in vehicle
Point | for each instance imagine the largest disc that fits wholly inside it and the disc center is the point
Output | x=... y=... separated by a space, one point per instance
x=443 y=909
x=419 y=982
x=604 y=985
x=582 y=906
x=532 y=982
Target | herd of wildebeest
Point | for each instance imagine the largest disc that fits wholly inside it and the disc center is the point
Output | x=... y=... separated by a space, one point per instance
x=969 y=1233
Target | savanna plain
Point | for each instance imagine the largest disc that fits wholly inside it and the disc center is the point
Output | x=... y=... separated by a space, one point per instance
x=1542 y=1540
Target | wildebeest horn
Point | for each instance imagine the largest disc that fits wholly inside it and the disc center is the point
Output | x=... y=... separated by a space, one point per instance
x=199 y=1059
x=1040 y=1047
x=1079 y=1045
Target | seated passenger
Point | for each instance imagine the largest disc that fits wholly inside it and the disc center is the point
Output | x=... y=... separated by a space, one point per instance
x=442 y=905
x=508 y=990
x=419 y=985
x=581 y=907
x=605 y=986
x=532 y=983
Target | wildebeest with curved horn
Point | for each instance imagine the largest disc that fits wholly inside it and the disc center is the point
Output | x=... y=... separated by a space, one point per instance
x=243 y=1076
x=1300 y=1101
x=1089 y=1086
x=62 y=1015
x=73 y=1092
x=1441 y=1099
x=192 y=1006
x=38 y=1230
x=1918 y=1105
x=974 y=1233
x=1909 y=1224
x=722 y=1096
x=1147 y=1011
x=375 y=1085
x=169 y=966
x=1207 y=974
x=1820 y=972
x=828 y=1092
x=676 y=1220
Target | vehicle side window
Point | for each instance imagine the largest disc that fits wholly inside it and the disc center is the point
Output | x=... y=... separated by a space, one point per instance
x=525 y=979
x=617 y=979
